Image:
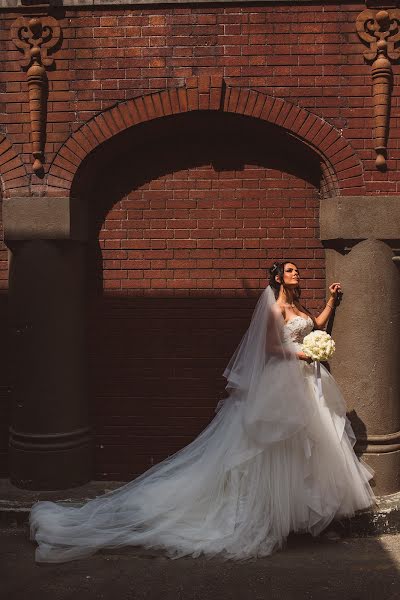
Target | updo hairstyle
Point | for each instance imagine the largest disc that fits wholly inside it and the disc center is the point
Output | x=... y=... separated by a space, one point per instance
x=278 y=268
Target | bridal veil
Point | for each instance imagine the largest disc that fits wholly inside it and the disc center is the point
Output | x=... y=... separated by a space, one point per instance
x=219 y=494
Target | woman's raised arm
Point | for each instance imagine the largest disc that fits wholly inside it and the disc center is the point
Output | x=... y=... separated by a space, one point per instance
x=323 y=317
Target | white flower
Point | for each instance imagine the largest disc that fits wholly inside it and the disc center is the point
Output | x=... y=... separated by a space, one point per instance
x=318 y=345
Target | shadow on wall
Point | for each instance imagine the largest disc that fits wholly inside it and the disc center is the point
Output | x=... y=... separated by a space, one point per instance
x=156 y=363
x=152 y=150
x=156 y=369
x=361 y=433
x=5 y=383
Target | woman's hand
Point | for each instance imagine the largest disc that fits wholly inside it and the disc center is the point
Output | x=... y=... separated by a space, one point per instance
x=334 y=290
x=302 y=356
x=323 y=318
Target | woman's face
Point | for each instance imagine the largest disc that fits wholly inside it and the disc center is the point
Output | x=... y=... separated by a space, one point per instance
x=291 y=275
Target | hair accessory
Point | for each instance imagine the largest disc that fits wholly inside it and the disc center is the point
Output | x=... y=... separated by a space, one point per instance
x=274 y=267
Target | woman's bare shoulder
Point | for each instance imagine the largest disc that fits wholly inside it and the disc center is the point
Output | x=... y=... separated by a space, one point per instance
x=278 y=310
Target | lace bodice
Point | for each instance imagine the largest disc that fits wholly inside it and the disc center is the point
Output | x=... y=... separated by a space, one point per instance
x=297 y=328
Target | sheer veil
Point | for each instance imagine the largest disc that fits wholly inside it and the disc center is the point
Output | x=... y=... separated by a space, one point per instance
x=264 y=373
x=216 y=494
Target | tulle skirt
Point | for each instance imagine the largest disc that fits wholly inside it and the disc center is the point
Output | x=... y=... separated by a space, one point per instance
x=224 y=493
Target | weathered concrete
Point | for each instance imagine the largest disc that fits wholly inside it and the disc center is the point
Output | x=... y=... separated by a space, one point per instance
x=44 y=218
x=50 y=441
x=362 y=240
x=325 y=568
x=360 y=217
x=366 y=330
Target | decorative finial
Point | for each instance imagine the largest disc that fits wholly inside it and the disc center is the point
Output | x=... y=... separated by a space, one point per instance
x=35 y=37
x=380 y=31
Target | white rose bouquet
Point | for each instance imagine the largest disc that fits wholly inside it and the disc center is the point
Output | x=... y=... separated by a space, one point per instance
x=318 y=345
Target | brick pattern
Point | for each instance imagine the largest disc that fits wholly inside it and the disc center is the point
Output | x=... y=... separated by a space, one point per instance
x=3 y=258
x=204 y=232
x=4 y=350
x=13 y=172
x=156 y=369
x=343 y=173
x=308 y=55
x=182 y=254
x=192 y=197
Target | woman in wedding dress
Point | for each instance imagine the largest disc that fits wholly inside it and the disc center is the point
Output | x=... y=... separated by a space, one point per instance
x=277 y=457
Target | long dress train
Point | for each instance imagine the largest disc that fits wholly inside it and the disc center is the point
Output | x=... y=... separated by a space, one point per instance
x=240 y=487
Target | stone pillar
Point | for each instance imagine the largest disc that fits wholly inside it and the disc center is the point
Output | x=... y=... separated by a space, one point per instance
x=50 y=440
x=362 y=240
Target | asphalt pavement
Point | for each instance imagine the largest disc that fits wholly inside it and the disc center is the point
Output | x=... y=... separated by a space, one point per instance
x=326 y=568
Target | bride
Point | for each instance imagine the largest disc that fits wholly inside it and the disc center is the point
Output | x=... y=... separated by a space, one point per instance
x=277 y=457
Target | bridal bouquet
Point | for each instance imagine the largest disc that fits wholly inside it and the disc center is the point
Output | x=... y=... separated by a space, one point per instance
x=318 y=345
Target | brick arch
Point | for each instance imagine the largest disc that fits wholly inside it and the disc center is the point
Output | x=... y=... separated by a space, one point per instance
x=13 y=176
x=342 y=170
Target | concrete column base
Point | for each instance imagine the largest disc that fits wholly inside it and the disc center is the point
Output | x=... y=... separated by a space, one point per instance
x=387 y=470
x=50 y=437
x=41 y=464
x=50 y=440
x=362 y=241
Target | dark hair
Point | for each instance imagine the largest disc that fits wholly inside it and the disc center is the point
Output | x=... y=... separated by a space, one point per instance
x=278 y=268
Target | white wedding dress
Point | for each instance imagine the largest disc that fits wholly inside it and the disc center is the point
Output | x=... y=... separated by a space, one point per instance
x=236 y=490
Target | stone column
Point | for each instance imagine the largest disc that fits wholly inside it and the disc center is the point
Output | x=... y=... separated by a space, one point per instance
x=50 y=440
x=362 y=240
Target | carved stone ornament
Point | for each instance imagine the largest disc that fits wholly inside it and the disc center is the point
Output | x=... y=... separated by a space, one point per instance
x=380 y=30
x=35 y=37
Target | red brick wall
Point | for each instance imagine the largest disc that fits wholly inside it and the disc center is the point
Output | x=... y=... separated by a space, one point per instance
x=201 y=231
x=4 y=355
x=308 y=54
x=155 y=374
x=185 y=239
x=3 y=258
x=188 y=223
x=199 y=204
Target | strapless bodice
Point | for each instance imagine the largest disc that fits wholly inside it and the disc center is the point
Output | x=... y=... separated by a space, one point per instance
x=296 y=329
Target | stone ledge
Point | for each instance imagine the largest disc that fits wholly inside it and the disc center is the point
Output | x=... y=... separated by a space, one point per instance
x=15 y=505
x=360 y=217
x=44 y=218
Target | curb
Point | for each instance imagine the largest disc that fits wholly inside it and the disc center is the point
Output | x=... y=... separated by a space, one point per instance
x=15 y=506
x=16 y=503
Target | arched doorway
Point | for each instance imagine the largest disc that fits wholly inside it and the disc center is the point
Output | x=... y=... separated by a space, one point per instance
x=185 y=214
x=272 y=152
